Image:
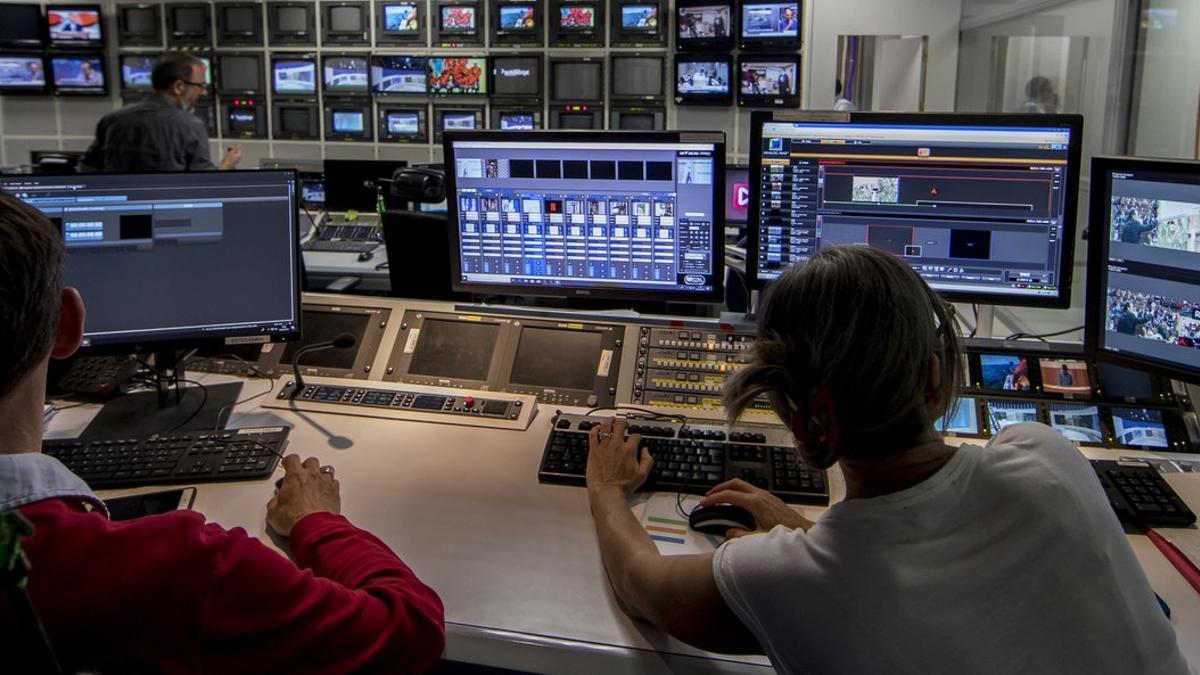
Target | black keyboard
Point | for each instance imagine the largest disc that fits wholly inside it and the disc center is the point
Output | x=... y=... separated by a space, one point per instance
x=340 y=246
x=692 y=458
x=177 y=457
x=1140 y=496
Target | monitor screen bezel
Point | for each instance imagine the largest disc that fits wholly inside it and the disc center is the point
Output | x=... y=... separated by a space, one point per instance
x=47 y=76
x=121 y=72
x=81 y=44
x=361 y=36
x=178 y=38
x=190 y=342
x=281 y=57
x=252 y=38
x=384 y=36
x=602 y=81
x=385 y=134
x=663 y=62
x=541 y=75
x=1099 y=222
x=769 y=43
x=332 y=109
x=41 y=30
x=717 y=294
x=725 y=99
x=766 y=100
x=707 y=44
x=279 y=37
x=73 y=91
x=1073 y=123
x=218 y=66
x=313 y=132
x=326 y=90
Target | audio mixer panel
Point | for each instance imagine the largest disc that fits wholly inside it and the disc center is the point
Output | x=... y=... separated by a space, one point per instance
x=559 y=362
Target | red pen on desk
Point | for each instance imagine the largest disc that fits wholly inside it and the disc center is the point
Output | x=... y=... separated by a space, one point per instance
x=1176 y=557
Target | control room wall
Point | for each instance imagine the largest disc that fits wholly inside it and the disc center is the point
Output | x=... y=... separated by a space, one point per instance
x=49 y=122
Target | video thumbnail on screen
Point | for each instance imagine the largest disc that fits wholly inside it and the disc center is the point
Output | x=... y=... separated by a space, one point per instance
x=698 y=23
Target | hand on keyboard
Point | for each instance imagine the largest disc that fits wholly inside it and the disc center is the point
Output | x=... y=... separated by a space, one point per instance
x=767 y=509
x=614 y=460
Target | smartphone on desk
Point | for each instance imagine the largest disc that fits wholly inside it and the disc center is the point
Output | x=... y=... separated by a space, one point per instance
x=150 y=504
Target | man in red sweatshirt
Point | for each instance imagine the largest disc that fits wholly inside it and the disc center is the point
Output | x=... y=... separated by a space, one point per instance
x=171 y=593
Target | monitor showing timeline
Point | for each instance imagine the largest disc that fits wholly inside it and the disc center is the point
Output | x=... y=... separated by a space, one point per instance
x=1144 y=265
x=595 y=215
x=982 y=207
x=157 y=257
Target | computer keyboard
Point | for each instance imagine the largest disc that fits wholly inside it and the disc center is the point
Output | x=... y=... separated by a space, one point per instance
x=1140 y=496
x=692 y=457
x=340 y=246
x=176 y=457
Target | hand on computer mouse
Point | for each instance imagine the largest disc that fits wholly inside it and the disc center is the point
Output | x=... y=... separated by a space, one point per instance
x=767 y=509
x=306 y=488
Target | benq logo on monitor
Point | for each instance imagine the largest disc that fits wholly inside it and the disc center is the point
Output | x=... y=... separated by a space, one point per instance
x=741 y=196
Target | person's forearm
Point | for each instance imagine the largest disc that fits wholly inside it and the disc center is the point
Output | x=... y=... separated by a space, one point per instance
x=622 y=542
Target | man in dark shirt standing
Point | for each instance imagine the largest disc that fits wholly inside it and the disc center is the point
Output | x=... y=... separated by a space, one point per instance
x=159 y=133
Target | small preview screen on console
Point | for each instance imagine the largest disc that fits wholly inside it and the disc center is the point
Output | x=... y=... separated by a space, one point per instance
x=323 y=327
x=1151 y=282
x=624 y=216
x=558 y=358
x=460 y=350
x=974 y=210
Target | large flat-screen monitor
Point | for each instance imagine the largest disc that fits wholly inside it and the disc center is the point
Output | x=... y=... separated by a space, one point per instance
x=704 y=25
x=296 y=76
x=981 y=206
x=703 y=79
x=517 y=76
x=23 y=74
x=770 y=25
x=74 y=25
x=591 y=214
x=176 y=259
x=1143 y=299
x=346 y=75
x=395 y=74
x=458 y=75
x=21 y=25
x=79 y=74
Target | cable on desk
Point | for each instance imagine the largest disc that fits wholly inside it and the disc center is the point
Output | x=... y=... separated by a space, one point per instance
x=203 y=401
x=1042 y=336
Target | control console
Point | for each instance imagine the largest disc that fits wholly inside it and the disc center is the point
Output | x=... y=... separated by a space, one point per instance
x=409 y=402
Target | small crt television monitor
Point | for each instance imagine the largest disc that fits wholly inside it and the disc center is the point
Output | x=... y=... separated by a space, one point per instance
x=21 y=25
x=74 y=26
x=704 y=25
x=399 y=74
x=517 y=76
x=457 y=75
x=770 y=25
x=136 y=70
x=82 y=74
x=23 y=74
x=703 y=79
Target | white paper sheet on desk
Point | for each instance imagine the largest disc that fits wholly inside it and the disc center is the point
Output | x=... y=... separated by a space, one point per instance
x=669 y=530
x=1187 y=541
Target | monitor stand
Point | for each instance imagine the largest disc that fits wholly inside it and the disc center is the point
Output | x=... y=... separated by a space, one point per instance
x=170 y=406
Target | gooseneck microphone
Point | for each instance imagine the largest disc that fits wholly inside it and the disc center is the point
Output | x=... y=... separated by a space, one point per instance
x=342 y=342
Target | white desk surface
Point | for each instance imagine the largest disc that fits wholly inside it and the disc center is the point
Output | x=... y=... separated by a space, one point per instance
x=329 y=265
x=516 y=562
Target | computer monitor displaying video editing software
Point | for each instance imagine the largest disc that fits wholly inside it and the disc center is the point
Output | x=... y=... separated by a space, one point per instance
x=602 y=215
x=158 y=257
x=1143 y=298
x=982 y=206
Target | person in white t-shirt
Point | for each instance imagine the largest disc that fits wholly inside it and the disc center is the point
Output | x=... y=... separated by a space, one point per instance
x=942 y=559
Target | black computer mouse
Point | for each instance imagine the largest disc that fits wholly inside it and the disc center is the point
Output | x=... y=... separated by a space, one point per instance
x=365 y=256
x=719 y=518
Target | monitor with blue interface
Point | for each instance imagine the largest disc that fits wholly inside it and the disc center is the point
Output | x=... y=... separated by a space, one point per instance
x=398 y=74
x=1143 y=296
x=962 y=419
x=82 y=74
x=22 y=73
x=981 y=206
x=517 y=121
x=158 y=256
x=294 y=76
x=136 y=70
x=600 y=214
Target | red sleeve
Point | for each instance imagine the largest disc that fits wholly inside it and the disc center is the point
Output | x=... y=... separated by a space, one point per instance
x=353 y=607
